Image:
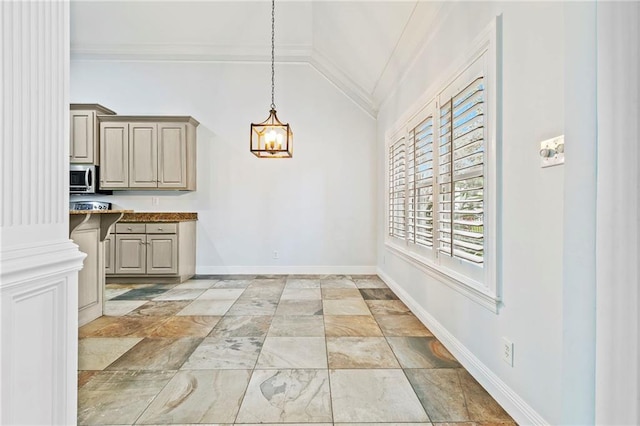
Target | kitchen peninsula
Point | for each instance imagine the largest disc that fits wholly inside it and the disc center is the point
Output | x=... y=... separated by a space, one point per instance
x=88 y=229
x=141 y=247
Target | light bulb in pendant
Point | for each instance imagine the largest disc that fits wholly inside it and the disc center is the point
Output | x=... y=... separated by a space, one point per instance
x=270 y=139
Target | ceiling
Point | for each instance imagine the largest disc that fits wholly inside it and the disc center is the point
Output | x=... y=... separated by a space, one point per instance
x=361 y=46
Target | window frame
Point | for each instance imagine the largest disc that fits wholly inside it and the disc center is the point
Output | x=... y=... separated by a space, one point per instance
x=483 y=286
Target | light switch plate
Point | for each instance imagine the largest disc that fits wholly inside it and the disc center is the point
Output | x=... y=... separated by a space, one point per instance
x=555 y=145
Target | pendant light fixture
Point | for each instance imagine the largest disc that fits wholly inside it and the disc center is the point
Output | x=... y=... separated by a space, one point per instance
x=272 y=138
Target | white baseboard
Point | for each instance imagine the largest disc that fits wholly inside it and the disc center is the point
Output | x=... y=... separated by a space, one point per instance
x=517 y=407
x=285 y=270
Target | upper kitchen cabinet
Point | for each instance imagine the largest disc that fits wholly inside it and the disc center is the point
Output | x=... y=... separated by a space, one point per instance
x=143 y=155
x=84 y=132
x=114 y=151
x=148 y=153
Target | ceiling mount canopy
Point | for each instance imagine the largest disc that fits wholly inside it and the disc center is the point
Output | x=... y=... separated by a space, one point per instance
x=272 y=138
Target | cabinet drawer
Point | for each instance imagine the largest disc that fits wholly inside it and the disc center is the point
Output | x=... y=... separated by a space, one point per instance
x=162 y=228
x=130 y=228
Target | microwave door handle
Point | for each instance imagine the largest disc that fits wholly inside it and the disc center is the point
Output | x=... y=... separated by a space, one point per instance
x=87 y=177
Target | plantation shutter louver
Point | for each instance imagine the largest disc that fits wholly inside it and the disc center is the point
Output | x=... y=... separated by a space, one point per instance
x=397 y=188
x=461 y=174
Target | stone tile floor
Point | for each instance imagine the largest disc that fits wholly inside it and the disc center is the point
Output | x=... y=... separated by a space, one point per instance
x=288 y=349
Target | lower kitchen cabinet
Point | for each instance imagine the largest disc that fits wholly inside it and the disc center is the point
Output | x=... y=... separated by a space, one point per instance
x=162 y=254
x=110 y=254
x=131 y=253
x=90 y=280
x=158 y=249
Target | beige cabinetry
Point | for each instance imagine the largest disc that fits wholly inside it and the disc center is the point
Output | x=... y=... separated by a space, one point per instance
x=87 y=237
x=148 y=152
x=83 y=131
x=162 y=254
x=109 y=254
x=131 y=254
x=114 y=151
x=90 y=231
x=155 y=249
x=143 y=155
x=173 y=156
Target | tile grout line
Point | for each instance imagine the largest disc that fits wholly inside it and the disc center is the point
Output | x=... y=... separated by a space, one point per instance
x=253 y=370
x=156 y=396
x=464 y=395
x=401 y=367
x=326 y=346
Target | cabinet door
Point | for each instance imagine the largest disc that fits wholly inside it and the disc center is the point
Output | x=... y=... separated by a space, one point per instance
x=162 y=254
x=143 y=155
x=172 y=155
x=83 y=138
x=89 y=283
x=109 y=254
x=114 y=154
x=131 y=254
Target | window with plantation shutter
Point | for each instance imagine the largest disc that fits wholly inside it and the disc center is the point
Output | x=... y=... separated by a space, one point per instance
x=442 y=180
x=461 y=171
x=397 y=188
x=420 y=185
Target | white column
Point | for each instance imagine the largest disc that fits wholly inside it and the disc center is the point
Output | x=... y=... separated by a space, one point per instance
x=618 y=219
x=38 y=262
x=579 y=215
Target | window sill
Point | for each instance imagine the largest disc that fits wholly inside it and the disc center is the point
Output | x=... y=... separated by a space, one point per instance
x=481 y=296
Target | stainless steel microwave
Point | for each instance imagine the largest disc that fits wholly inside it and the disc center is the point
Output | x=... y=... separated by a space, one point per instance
x=83 y=179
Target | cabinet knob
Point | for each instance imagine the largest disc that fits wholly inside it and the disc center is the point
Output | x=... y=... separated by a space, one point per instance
x=159 y=229
x=128 y=228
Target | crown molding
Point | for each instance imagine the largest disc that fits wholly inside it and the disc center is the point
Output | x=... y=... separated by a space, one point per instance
x=422 y=26
x=230 y=54
x=189 y=52
x=343 y=82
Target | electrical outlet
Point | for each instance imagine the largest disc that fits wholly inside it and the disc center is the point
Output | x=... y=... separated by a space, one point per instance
x=276 y=255
x=155 y=201
x=507 y=351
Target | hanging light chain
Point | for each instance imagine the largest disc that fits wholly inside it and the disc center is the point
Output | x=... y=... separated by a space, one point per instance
x=273 y=70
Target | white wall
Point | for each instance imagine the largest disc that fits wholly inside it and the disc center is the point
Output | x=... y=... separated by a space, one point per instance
x=188 y=27
x=317 y=209
x=339 y=29
x=531 y=220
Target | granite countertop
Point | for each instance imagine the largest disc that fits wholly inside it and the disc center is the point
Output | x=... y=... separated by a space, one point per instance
x=158 y=217
x=99 y=211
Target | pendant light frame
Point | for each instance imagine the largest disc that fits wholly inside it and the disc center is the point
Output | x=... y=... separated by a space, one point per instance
x=271 y=138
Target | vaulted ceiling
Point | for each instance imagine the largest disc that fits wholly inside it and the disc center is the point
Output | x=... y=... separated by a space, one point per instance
x=363 y=47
